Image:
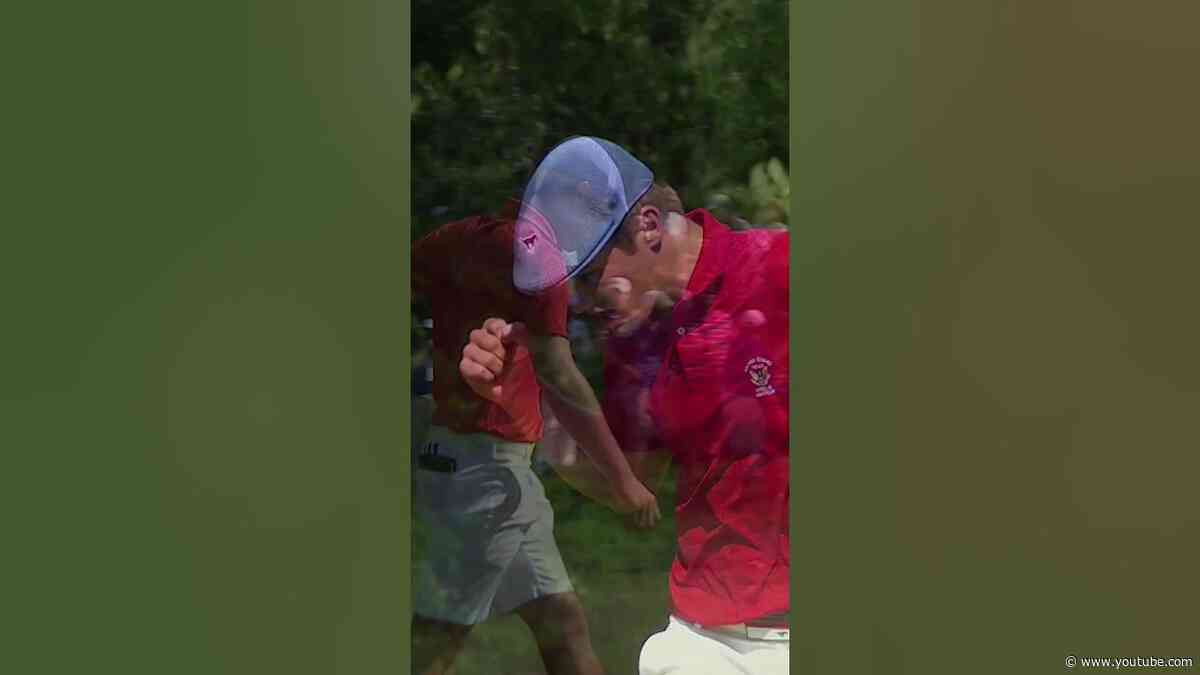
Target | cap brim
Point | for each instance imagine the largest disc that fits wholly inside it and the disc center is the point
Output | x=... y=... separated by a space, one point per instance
x=579 y=195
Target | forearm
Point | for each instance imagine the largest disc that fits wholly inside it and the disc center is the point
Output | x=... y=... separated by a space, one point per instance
x=572 y=466
x=577 y=410
x=572 y=401
x=649 y=467
x=583 y=476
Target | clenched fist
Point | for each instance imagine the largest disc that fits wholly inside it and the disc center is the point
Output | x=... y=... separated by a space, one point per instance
x=490 y=354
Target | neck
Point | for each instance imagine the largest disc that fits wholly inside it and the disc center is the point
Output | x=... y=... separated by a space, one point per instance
x=689 y=240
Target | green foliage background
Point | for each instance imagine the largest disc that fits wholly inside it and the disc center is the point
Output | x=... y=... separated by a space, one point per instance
x=697 y=89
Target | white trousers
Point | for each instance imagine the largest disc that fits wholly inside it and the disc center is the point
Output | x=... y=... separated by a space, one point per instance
x=685 y=649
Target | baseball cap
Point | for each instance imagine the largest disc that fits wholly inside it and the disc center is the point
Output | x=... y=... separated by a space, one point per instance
x=572 y=206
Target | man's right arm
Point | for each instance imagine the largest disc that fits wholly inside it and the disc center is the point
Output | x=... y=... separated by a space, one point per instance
x=625 y=409
x=582 y=475
x=649 y=466
x=569 y=396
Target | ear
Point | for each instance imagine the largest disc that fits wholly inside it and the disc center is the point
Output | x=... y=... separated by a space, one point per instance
x=650 y=226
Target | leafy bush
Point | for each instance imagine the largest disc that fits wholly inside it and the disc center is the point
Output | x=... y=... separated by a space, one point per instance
x=766 y=197
x=697 y=89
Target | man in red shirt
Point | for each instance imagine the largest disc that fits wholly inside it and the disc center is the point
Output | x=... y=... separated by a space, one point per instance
x=485 y=543
x=710 y=307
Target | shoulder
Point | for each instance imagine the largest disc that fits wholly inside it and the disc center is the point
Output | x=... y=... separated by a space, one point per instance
x=760 y=254
x=764 y=239
x=476 y=225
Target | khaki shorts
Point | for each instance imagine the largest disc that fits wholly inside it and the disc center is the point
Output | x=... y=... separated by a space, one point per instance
x=484 y=530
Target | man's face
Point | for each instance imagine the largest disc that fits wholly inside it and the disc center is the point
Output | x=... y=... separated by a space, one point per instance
x=616 y=289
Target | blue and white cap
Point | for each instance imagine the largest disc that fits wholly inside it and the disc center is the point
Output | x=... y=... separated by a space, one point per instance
x=572 y=207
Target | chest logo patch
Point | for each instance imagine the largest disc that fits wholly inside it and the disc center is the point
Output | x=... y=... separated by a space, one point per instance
x=529 y=241
x=759 y=370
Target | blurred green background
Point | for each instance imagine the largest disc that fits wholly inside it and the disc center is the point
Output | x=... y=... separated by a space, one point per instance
x=994 y=350
x=697 y=89
x=205 y=339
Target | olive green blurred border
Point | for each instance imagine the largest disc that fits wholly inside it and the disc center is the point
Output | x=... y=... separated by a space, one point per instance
x=404 y=520
x=995 y=377
x=801 y=657
x=204 y=393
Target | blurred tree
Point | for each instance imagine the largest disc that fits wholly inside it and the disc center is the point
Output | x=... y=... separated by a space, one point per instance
x=696 y=88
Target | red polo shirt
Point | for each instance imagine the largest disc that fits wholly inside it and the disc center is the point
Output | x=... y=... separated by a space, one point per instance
x=465 y=268
x=719 y=403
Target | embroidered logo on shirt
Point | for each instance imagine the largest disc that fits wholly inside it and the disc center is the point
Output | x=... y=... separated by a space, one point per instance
x=529 y=241
x=759 y=370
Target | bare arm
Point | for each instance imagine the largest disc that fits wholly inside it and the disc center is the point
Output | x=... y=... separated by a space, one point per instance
x=569 y=395
x=649 y=467
x=578 y=471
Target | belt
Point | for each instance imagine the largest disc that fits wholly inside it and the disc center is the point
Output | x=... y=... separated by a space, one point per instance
x=747 y=631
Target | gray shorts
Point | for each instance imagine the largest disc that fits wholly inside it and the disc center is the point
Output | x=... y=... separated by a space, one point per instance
x=484 y=530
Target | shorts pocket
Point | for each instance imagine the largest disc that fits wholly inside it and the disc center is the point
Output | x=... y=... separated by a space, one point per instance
x=482 y=498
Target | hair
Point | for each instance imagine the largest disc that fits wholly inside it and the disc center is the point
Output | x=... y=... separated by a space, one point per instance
x=659 y=195
x=663 y=196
